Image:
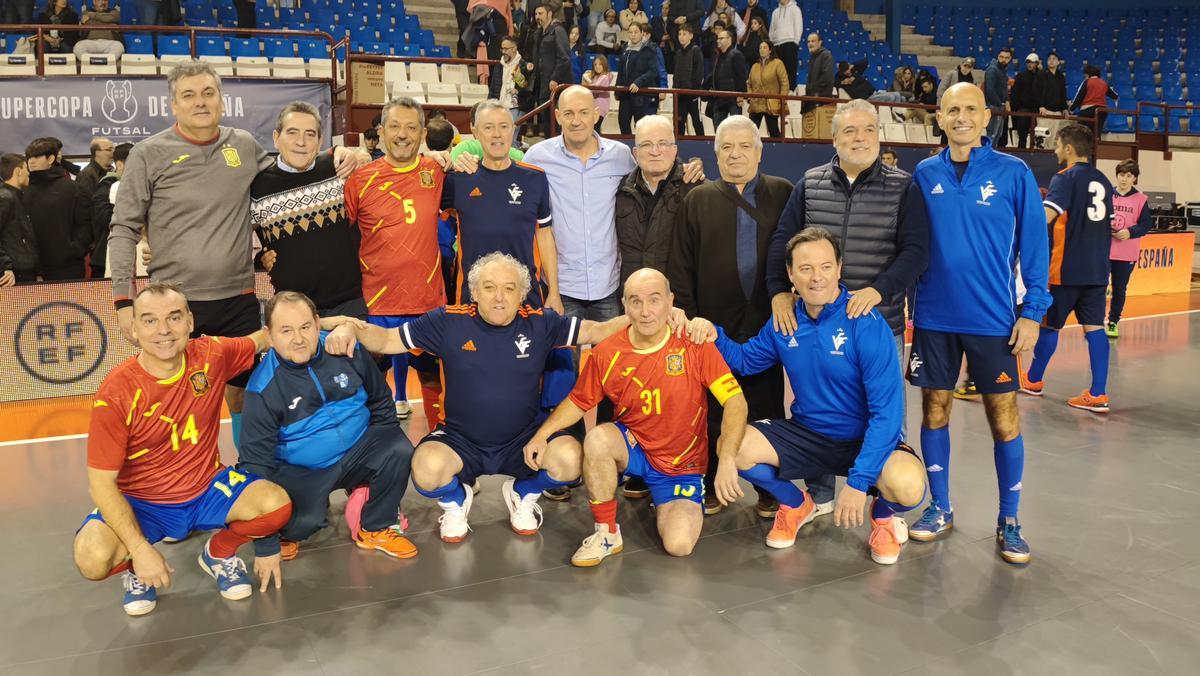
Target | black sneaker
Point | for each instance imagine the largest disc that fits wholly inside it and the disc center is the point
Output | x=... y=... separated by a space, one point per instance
x=636 y=488
x=558 y=494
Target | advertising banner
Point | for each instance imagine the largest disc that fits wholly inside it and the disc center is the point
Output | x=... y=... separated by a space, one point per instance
x=128 y=109
x=1164 y=264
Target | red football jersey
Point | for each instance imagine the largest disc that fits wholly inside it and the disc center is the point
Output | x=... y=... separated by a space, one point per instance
x=396 y=209
x=161 y=435
x=658 y=394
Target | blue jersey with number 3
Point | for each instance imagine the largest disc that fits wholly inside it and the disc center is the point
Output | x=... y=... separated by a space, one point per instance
x=1081 y=235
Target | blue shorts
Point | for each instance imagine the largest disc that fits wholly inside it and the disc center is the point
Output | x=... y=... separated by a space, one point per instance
x=663 y=487
x=936 y=359
x=507 y=459
x=424 y=362
x=805 y=453
x=207 y=511
x=1088 y=303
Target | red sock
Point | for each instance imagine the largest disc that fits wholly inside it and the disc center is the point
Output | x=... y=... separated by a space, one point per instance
x=121 y=567
x=605 y=513
x=432 y=403
x=226 y=542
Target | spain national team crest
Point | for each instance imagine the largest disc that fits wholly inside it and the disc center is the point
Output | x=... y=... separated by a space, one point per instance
x=675 y=364
x=426 y=178
x=199 y=383
x=232 y=159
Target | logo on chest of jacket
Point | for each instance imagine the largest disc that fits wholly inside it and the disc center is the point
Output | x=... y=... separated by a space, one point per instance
x=839 y=339
x=232 y=159
x=522 y=343
x=199 y=383
x=675 y=364
x=986 y=192
x=937 y=190
x=342 y=380
x=793 y=343
x=426 y=176
x=514 y=194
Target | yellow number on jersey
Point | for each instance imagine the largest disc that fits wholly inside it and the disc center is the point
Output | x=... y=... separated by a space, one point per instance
x=410 y=212
x=190 y=432
x=652 y=401
x=236 y=477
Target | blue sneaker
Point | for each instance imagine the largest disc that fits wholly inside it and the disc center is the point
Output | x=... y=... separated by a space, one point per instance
x=232 y=580
x=139 y=598
x=933 y=524
x=1013 y=547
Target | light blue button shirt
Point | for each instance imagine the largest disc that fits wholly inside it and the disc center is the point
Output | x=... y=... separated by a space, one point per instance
x=583 y=201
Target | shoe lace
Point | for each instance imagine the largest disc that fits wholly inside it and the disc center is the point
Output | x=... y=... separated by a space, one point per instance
x=931 y=515
x=883 y=533
x=134 y=584
x=1012 y=536
x=529 y=502
x=230 y=568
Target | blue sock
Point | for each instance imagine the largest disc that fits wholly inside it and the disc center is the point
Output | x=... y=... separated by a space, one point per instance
x=1047 y=343
x=400 y=374
x=237 y=429
x=451 y=493
x=1097 y=344
x=1010 y=465
x=538 y=483
x=935 y=449
x=767 y=478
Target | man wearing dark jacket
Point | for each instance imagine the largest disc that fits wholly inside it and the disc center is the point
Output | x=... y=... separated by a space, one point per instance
x=18 y=245
x=717 y=267
x=552 y=58
x=1026 y=98
x=60 y=212
x=103 y=199
x=995 y=94
x=729 y=75
x=649 y=198
x=100 y=164
x=689 y=74
x=638 y=70
x=682 y=12
x=820 y=71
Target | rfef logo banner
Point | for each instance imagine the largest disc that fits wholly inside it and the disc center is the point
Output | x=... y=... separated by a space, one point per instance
x=75 y=109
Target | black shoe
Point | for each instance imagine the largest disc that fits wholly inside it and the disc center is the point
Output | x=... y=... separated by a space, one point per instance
x=636 y=488
x=557 y=494
x=766 y=506
x=712 y=505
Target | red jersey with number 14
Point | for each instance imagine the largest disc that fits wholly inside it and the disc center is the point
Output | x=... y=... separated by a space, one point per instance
x=160 y=436
x=659 y=395
x=396 y=210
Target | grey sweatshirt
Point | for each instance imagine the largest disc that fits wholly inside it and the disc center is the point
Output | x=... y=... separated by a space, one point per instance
x=195 y=198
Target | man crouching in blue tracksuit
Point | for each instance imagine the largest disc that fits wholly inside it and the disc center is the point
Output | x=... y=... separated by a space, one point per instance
x=316 y=422
x=846 y=417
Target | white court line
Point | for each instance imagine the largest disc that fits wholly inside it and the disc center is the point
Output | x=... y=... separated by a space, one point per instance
x=69 y=437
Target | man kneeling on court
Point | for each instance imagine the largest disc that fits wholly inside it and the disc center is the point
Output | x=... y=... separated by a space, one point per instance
x=656 y=381
x=315 y=422
x=847 y=412
x=493 y=353
x=154 y=470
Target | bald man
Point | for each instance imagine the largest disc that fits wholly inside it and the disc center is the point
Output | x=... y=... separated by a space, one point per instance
x=658 y=382
x=966 y=303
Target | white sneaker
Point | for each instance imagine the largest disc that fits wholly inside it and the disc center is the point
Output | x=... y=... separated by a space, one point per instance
x=475 y=488
x=597 y=547
x=901 y=527
x=453 y=521
x=140 y=598
x=524 y=513
x=403 y=410
x=823 y=508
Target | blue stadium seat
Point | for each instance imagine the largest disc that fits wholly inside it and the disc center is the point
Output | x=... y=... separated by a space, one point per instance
x=1117 y=124
x=363 y=34
x=440 y=51
x=1149 y=121
x=313 y=49
x=139 y=43
x=275 y=48
x=240 y=47
x=207 y=45
x=173 y=45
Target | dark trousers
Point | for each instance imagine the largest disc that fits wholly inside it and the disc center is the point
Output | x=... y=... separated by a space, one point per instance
x=1093 y=111
x=66 y=272
x=772 y=123
x=1121 y=271
x=764 y=397
x=246 y=17
x=25 y=276
x=380 y=460
x=689 y=107
x=97 y=271
x=720 y=109
x=789 y=54
x=1024 y=127
x=632 y=109
x=18 y=11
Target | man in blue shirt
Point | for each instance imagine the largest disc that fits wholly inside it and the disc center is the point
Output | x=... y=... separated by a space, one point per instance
x=985 y=213
x=847 y=411
x=315 y=422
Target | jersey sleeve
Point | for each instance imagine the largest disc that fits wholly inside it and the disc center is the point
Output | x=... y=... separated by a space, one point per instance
x=237 y=355
x=543 y=206
x=108 y=431
x=754 y=356
x=562 y=331
x=350 y=198
x=427 y=332
x=877 y=362
x=1059 y=196
x=448 y=192
x=714 y=374
x=589 y=389
x=1033 y=247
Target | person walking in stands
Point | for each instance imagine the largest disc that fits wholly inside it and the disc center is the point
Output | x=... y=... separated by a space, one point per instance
x=1131 y=221
x=689 y=74
x=1091 y=98
x=820 y=71
x=787 y=25
x=767 y=76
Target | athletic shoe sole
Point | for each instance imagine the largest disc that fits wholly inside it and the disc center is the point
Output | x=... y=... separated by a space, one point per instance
x=925 y=536
x=780 y=544
x=509 y=494
x=1011 y=557
x=589 y=563
x=235 y=594
x=557 y=497
x=139 y=610
x=1093 y=409
x=636 y=494
x=362 y=545
x=711 y=511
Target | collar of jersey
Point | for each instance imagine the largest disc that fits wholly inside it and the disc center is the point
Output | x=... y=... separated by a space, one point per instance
x=175 y=378
x=405 y=170
x=651 y=350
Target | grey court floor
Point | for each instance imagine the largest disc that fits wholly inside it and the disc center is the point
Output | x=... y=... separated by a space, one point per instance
x=1110 y=509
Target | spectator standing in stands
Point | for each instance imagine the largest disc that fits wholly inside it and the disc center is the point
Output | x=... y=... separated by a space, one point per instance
x=103 y=199
x=1053 y=86
x=60 y=212
x=100 y=164
x=606 y=39
x=965 y=72
x=1091 y=98
x=767 y=76
x=600 y=76
x=820 y=71
x=682 y=12
x=689 y=74
x=755 y=34
x=729 y=75
x=633 y=14
x=18 y=11
x=247 y=18
x=59 y=13
x=753 y=11
x=787 y=28
x=995 y=93
x=101 y=39
x=552 y=60
x=639 y=70
x=577 y=51
x=18 y=242
x=1026 y=98
x=509 y=83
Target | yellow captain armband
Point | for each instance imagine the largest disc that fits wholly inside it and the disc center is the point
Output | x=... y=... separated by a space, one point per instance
x=725 y=387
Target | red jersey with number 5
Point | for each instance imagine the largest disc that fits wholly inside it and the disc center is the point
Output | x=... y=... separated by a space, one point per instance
x=396 y=210
x=160 y=436
x=658 y=393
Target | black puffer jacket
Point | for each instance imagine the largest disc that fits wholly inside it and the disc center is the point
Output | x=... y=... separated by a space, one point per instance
x=18 y=244
x=646 y=223
x=62 y=218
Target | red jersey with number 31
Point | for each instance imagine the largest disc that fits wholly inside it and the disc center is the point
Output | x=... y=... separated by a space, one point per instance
x=161 y=435
x=396 y=210
x=658 y=393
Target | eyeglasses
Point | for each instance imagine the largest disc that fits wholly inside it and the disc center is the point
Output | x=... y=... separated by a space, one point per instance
x=658 y=146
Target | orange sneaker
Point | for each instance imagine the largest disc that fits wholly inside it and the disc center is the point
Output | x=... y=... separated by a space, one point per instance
x=389 y=541
x=887 y=537
x=288 y=550
x=788 y=521
x=1030 y=387
x=1087 y=402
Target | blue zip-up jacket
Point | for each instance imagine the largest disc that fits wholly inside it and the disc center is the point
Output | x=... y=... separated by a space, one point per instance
x=311 y=414
x=845 y=377
x=978 y=230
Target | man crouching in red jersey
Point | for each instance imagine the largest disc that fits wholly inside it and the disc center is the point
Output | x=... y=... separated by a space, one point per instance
x=154 y=469
x=656 y=382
